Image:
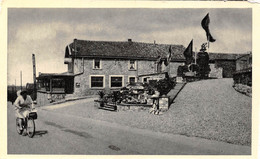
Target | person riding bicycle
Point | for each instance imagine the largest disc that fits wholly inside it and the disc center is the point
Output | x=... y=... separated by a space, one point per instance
x=23 y=104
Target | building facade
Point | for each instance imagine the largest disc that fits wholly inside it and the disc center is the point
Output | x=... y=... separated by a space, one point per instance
x=108 y=66
x=243 y=73
x=112 y=65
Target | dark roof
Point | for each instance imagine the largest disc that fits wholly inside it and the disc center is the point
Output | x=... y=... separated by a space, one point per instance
x=246 y=70
x=64 y=74
x=127 y=49
x=29 y=85
x=152 y=74
x=244 y=56
x=223 y=56
x=133 y=50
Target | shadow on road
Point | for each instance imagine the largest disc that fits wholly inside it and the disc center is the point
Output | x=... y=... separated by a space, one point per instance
x=41 y=133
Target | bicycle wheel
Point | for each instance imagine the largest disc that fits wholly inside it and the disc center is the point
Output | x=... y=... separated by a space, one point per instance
x=18 y=127
x=30 y=128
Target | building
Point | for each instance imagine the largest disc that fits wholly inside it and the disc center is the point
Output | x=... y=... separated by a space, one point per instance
x=108 y=66
x=222 y=65
x=243 y=73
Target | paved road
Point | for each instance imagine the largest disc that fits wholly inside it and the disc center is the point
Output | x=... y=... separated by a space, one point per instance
x=62 y=133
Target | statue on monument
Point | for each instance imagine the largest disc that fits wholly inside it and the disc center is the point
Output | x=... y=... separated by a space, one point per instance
x=203 y=62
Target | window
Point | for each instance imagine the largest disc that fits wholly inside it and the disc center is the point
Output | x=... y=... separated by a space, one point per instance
x=96 y=64
x=132 y=65
x=131 y=80
x=58 y=83
x=145 y=80
x=97 y=81
x=116 y=81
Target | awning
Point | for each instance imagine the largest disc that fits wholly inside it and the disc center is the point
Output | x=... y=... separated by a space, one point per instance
x=51 y=75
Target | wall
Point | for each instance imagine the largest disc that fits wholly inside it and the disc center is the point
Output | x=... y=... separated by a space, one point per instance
x=243 y=73
x=174 y=67
x=112 y=67
x=229 y=67
x=146 y=67
x=108 y=67
x=46 y=98
x=244 y=62
x=215 y=72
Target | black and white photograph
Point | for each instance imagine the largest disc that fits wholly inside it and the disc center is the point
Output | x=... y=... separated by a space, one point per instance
x=129 y=81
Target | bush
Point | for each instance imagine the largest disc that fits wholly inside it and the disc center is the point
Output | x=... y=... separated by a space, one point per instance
x=149 y=88
x=165 y=85
x=101 y=94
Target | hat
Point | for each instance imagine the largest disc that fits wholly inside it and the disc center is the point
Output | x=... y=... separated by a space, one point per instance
x=23 y=92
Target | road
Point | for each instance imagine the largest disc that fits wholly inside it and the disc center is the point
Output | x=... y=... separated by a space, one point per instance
x=62 y=133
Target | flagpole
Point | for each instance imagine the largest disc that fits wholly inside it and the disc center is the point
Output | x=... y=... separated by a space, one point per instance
x=195 y=56
x=208 y=43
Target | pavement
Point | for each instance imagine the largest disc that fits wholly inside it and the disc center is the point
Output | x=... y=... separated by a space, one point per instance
x=60 y=132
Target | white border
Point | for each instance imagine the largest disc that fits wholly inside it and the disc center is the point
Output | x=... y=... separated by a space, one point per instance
x=131 y=4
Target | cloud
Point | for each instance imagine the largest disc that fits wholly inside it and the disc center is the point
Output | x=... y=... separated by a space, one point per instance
x=46 y=32
x=232 y=40
x=46 y=41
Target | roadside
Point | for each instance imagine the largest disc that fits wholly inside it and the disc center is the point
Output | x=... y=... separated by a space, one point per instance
x=66 y=100
x=244 y=89
x=68 y=103
x=209 y=109
x=62 y=133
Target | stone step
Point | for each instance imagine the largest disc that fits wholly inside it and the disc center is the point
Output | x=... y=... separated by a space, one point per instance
x=109 y=108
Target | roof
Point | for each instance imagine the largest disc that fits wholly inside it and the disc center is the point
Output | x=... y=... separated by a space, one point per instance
x=125 y=49
x=223 y=56
x=152 y=74
x=246 y=70
x=133 y=50
x=29 y=85
x=64 y=74
x=244 y=56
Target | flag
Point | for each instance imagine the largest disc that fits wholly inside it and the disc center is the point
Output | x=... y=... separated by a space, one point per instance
x=188 y=53
x=69 y=49
x=205 y=25
x=169 y=57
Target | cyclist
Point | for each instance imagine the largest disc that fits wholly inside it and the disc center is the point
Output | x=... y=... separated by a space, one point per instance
x=22 y=103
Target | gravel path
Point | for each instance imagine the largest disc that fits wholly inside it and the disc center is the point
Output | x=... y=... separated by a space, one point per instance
x=209 y=109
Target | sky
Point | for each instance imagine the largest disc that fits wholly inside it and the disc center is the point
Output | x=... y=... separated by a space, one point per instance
x=46 y=32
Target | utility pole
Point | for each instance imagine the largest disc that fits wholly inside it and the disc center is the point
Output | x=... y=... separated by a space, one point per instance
x=21 y=80
x=195 y=55
x=34 y=78
x=15 y=85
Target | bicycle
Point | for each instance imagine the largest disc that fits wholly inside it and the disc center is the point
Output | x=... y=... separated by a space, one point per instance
x=28 y=125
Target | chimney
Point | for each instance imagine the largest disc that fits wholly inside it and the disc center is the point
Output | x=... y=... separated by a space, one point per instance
x=129 y=40
x=154 y=42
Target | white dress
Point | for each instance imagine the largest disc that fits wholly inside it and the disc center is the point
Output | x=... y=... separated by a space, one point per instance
x=22 y=113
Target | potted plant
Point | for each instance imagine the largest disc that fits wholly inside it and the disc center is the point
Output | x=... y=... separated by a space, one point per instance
x=165 y=85
x=101 y=98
